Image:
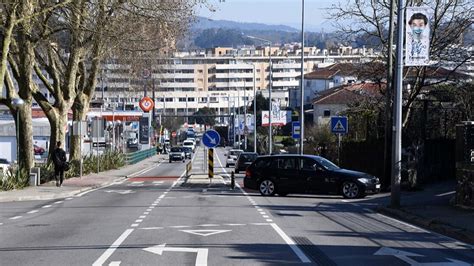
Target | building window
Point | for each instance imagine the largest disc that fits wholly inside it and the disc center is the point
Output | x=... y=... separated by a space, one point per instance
x=213 y=100
x=203 y=100
x=327 y=113
x=191 y=99
x=182 y=99
x=168 y=99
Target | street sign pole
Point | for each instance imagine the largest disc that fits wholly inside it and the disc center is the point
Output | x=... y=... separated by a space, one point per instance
x=210 y=157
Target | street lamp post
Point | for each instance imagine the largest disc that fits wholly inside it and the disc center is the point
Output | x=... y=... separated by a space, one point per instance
x=17 y=102
x=302 y=81
x=254 y=113
x=270 y=85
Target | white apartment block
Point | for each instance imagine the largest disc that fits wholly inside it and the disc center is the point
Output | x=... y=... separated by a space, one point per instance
x=220 y=78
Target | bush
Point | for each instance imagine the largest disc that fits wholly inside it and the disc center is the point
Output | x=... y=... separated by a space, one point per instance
x=13 y=180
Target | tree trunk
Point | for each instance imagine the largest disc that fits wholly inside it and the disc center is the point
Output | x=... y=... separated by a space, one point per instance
x=58 y=122
x=79 y=111
x=25 y=137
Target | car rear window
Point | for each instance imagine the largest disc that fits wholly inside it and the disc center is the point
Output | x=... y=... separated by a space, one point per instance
x=248 y=157
x=176 y=149
x=262 y=163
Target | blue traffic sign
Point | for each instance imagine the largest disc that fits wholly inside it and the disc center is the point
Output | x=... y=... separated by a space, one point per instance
x=339 y=124
x=296 y=129
x=211 y=138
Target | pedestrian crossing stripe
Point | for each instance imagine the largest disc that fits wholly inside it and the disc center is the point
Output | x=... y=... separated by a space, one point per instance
x=339 y=127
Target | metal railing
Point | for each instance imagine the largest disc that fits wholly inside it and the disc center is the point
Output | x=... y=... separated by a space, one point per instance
x=135 y=157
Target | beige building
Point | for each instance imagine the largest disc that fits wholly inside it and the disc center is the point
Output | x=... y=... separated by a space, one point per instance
x=219 y=78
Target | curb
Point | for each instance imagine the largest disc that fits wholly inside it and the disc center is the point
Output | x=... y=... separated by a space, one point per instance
x=431 y=224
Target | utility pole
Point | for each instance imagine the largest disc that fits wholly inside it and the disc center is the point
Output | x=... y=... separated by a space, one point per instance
x=397 y=108
x=302 y=80
x=254 y=113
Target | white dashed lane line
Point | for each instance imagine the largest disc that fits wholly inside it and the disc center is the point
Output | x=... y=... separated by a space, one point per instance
x=33 y=211
x=16 y=217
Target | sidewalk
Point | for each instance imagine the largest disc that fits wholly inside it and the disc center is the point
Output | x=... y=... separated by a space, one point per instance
x=76 y=185
x=431 y=209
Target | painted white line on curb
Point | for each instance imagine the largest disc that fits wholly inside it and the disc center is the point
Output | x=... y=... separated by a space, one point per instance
x=112 y=248
x=33 y=211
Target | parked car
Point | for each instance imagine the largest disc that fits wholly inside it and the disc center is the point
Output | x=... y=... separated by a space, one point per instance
x=188 y=151
x=4 y=166
x=244 y=160
x=38 y=150
x=283 y=174
x=177 y=154
x=232 y=157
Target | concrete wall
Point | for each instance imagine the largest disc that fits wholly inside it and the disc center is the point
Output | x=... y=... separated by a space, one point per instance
x=318 y=112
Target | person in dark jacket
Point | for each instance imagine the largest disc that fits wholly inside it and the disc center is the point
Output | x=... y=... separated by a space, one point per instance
x=59 y=160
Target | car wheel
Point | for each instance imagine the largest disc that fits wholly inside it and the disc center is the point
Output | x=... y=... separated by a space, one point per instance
x=267 y=188
x=350 y=190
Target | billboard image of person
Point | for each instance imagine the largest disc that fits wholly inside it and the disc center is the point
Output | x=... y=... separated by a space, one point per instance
x=417 y=37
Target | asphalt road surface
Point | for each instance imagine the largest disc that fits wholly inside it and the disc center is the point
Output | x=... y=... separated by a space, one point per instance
x=154 y=218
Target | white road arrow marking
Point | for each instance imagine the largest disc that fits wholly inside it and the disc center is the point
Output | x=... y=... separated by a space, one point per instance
x=201 y=259
x=123 y=192
x=212 y=140
x=405 y=256
x=205 y=232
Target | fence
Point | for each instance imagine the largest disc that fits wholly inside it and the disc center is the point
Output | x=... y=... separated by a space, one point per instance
x=135 y=157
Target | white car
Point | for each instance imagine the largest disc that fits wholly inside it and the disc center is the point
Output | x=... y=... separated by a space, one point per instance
x=4 y=166
x=189 y=143
x=232 y=157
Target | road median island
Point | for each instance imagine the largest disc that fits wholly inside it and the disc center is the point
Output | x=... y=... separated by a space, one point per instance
x=203 y=180
x=432 y=224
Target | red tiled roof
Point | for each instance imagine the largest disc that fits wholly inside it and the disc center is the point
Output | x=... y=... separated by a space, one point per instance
x=349 y=93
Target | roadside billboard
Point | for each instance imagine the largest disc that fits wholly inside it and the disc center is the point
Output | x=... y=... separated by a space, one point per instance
x=417 y=36
x=278 y=118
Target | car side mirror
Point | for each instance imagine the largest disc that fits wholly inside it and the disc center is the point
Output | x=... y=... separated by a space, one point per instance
x=318 y=168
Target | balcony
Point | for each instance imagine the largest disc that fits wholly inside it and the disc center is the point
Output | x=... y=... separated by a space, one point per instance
x=234 y=66
x=285 y=74
x=233 y=75
x=287 y=65
x=174 y=75
x=178 y=85
x=292 y=83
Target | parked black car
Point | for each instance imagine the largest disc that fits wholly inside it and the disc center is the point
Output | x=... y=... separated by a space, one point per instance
x=283 y=174
x=244 y=160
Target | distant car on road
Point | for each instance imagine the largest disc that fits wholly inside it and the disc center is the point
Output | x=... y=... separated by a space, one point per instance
x=177 y=154
x=284 y=174
x=232 y=157
x=244 y=160
x=189 y=143
x=188 y=151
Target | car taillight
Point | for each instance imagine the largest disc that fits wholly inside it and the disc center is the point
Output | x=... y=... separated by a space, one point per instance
x=248 y=173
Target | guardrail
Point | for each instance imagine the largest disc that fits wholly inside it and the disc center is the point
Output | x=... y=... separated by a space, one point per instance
x=135 y=157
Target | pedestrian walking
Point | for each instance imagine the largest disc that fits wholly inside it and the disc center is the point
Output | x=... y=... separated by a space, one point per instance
x=59 y=160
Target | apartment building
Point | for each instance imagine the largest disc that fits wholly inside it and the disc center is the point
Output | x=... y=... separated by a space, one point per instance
x=220 y=78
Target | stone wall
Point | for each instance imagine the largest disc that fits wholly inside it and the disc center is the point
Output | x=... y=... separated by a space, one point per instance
x=465 y=185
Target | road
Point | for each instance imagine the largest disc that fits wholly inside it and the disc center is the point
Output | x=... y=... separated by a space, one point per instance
x=154 y=218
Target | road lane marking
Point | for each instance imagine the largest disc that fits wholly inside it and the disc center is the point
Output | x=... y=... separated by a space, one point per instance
x=275 y=227
x=152 y=228
x=115 y=263
x=69 y=198
x=58 y=202
x=33 y=211
x=16 y=217
x=234 y=224
x=46 y=206
x=265 y=216
x=142 y=216
x=148 y=210
x=146 y=213
x=205 y=232
x=112 y=248
x=134 y=225
x=291 y=243
x=201 y=258
x=208 y=225
x=269 y=220
x=139 y=220
x=162 y=196
x=445 y=194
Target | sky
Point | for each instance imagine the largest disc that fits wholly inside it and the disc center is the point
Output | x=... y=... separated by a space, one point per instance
x=286 y=12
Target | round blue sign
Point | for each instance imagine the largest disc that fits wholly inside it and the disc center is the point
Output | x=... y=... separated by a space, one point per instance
x=211 y=138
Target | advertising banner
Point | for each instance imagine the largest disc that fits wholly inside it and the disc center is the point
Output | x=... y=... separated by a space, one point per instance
x=278 y=119
x=244 y=126
x=144 y=130
x=417 y=36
